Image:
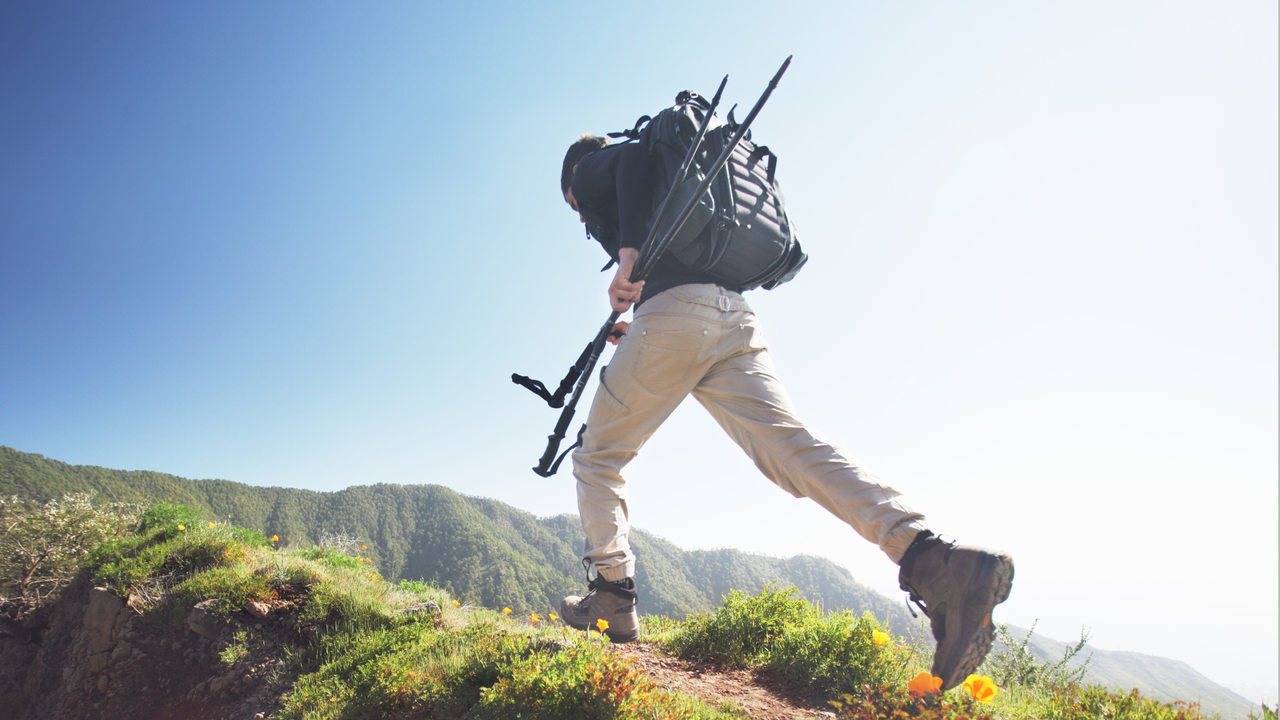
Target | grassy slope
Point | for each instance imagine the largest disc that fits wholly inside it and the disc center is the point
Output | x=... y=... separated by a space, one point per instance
x=482 y=550
x=491 y=554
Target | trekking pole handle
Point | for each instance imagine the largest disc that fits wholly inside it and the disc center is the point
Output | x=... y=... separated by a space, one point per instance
x=544 y=466
x=657 y=251
x=553 y=442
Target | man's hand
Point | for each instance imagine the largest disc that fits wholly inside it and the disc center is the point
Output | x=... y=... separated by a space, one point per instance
x=619 y=329
x=623 y=292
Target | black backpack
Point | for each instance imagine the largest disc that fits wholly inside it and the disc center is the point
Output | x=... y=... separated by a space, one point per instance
x=739 y=233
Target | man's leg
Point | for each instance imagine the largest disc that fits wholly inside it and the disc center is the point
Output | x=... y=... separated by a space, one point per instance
x=745 y=396
x=957 y=586
x=655 y=366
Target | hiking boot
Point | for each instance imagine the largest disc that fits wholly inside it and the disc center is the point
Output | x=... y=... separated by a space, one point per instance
x=956 y=586
x=613 y=602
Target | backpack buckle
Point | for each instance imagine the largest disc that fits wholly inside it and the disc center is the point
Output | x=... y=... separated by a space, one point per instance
x=723 y=302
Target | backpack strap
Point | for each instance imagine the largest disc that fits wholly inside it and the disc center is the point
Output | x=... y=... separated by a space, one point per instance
x=633 y=133
x=760 y=152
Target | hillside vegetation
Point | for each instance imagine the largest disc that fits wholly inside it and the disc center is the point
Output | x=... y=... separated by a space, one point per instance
x=185 y=618
x=482 y=551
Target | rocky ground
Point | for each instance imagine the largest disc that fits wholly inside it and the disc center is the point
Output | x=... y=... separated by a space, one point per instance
x=114 y=665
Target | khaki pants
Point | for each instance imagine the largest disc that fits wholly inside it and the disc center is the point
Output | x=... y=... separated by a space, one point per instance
x=703 y=339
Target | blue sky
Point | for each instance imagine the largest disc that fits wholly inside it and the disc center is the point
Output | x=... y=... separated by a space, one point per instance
x=306 y=245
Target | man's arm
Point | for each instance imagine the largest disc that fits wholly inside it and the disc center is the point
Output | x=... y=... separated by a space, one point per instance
x=623 y=292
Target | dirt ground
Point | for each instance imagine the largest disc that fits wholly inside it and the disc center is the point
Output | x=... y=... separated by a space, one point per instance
x=764 y=695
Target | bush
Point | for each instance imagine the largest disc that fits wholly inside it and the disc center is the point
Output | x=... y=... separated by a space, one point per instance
x=42 y=545
x=896 y=703
x=827 y=653
x=746 y=628
x=1073 y=702
x=1014 y=664
x=838 y=654
x=165 y=515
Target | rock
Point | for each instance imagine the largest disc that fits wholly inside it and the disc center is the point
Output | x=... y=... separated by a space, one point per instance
x=429 y=607
x=201 y=620
x=216 y=685
x=100 y=617
x=99 y=662
x=103 y=683
x=257 y=609
x=122 y=652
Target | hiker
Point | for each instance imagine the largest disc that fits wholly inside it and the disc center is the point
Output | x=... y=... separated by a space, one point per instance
x=691 y=335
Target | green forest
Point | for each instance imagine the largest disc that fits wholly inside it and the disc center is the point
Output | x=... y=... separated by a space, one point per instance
x=478 y=549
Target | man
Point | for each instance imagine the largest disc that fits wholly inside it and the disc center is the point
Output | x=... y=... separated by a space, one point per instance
x=690 y=335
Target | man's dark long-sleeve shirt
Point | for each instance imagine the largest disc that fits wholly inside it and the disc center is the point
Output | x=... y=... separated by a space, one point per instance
x=614 y=188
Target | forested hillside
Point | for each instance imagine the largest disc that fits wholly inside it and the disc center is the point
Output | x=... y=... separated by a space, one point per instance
x=479 y=549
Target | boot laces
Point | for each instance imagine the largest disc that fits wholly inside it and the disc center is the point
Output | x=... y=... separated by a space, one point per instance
x=913 y=595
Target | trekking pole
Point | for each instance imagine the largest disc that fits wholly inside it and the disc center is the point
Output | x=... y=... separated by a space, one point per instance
x=649 y=253
x=549 y=463
x=649 y=256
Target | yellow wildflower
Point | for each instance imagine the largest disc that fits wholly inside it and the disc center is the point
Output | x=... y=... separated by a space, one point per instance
x=368 y=560
x=456 y=603
x=980 y=687
x=553 y=617
x=364 y=547
x=880 y=638
x=182 y=528
x=534 y=617
x=213 y=524
x=602 y=624
x=275 y=538
x=506 y=611
x=924 y=683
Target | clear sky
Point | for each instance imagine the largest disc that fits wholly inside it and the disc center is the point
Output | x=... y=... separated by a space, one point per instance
x=305 y=244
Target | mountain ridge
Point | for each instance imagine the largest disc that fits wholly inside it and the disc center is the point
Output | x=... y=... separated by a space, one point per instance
x=497 y=555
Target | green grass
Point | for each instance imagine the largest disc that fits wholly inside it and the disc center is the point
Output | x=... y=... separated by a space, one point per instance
x=367 y=658
x=830 y=653
x=355 y=652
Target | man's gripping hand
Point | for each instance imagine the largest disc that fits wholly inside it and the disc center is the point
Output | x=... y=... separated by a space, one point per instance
x=623 y=292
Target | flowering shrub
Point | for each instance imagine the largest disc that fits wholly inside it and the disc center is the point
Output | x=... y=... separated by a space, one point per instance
x=895 y=702
x=830 y=653
x=43 y=544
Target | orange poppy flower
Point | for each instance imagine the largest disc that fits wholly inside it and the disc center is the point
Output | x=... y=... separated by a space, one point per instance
x=880 y=638
x=980 y=687
x=602 y=624
x=506 y=611
x=924 y=683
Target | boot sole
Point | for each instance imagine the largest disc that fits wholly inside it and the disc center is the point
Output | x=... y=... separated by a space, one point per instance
x=990 y=588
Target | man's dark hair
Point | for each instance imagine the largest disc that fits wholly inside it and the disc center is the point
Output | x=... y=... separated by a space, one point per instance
x=584 y=145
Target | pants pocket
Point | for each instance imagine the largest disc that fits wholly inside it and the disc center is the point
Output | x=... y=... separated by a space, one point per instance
x=666 y=358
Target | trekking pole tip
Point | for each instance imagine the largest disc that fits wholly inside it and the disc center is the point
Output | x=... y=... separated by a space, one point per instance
x=716 y=100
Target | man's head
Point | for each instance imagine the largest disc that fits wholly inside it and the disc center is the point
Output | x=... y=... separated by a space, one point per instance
x=584 y=145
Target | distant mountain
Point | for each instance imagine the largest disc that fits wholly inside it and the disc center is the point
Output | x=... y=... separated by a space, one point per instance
x=480 y=549
x=492 y=554
x=1157 y=677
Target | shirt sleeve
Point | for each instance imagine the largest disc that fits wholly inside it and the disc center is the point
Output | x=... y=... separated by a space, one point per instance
x=617 y=183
